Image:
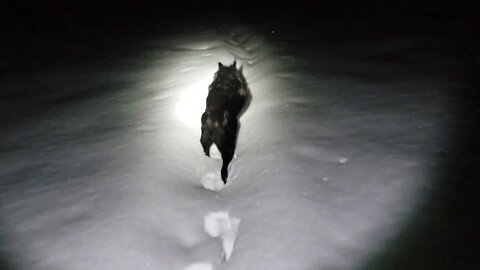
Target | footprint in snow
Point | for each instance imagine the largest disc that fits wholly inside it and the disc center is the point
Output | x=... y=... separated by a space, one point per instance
x=221 y=225
x=199 y=266
x=212 y=181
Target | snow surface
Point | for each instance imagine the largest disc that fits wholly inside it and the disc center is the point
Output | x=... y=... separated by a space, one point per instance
x=200 y=266
x=102 y=168
x=220 y=224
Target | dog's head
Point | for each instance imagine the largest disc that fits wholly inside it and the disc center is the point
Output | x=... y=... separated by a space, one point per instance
x=232 y=67
x=231 y=71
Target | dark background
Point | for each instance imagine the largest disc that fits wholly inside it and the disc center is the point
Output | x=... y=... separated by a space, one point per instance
x=90 y=12
x=29 y=29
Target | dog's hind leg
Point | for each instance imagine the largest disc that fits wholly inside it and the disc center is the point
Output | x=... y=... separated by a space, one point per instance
x=206 y=141
x=227 y=156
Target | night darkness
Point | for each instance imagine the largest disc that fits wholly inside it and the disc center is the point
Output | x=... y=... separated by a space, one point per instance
x=96 y=173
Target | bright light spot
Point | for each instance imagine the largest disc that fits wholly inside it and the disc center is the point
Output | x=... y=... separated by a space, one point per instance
x=191 y=103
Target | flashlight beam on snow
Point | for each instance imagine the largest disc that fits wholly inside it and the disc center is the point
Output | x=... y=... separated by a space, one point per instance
x=191 y=103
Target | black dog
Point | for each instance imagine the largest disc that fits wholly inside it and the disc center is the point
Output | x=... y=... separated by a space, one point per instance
x=228 y=97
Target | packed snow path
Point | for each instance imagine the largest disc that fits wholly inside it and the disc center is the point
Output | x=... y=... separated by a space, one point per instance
x=102 y=168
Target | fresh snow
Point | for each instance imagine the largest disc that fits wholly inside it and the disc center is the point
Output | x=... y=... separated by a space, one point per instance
x=102 y=167
x=220 y=224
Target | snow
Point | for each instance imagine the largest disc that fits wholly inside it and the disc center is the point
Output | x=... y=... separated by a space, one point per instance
x=199 y=266
x=215 y=153
x=102 y=168
x=220 y=224
x=212 y=181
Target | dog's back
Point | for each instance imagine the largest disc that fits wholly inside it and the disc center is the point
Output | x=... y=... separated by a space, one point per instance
x=228 y=91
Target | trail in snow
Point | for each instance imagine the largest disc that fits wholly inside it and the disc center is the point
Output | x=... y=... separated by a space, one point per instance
x=220 y=224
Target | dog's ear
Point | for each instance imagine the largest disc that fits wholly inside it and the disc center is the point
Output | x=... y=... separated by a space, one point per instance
x=234 y=64
x=220 y=66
